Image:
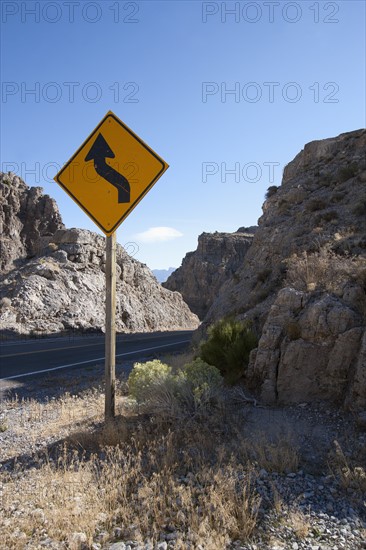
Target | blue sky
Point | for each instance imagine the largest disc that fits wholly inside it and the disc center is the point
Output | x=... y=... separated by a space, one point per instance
x=296 y=72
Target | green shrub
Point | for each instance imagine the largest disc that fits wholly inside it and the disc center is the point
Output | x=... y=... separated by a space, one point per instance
x=201 y=376
x=145 y=376
x=228 y=347
x=191 y=391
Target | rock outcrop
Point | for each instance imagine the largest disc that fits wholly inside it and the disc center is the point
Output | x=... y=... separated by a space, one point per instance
x=303 y=280
x=204 y=271
x=26 y=216
x=322 y=199
x=313 y=348
x=53 y=278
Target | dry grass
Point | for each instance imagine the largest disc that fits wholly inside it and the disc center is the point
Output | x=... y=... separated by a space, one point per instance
x=279 y=456
x=144 y=474
x=138 y=473
x=324 y=270
x=300 y=523
x=350 y=475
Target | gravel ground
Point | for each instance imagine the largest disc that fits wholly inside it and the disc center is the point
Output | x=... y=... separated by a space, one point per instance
x=308 y=509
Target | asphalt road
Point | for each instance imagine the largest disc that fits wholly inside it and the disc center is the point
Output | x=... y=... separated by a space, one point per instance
x=25 y=358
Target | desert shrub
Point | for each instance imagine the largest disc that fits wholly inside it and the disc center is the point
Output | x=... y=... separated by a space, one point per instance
x=187 y=392
x=324 y=270
x=145 y=377
x=272 y=190
x=293 y=330
x=263 y=275
x=326 y=180
x=201 y=376
x=338 y=196
x=6 y=179
x=236 y=278
x=347 y=172
x=360 y=208
x=314 y=205
x=228 y=346
x=350 y=475
x=327 y=217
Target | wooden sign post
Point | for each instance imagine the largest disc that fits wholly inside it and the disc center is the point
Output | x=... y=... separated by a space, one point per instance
x=110 y=327
x=108 y=194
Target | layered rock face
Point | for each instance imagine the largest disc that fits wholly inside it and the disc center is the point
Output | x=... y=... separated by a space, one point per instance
x=303 y=281
x=321 y=200
x=26 y=216
x=204 y=271
x=62 y=286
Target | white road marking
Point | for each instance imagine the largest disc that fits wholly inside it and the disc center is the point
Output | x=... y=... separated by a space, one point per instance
x=93 y=360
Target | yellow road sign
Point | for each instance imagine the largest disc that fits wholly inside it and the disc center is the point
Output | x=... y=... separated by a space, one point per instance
x=110 y=173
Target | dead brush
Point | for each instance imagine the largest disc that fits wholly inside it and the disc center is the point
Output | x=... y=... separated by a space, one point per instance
x=144 y=485
x=350 y=475
x=279 y=456
x=324 y=270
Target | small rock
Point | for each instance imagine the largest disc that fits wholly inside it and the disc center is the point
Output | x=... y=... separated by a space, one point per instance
x=78 y=538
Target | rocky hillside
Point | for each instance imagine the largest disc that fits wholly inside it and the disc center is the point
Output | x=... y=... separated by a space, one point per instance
x=303 y=280
x=321 y=200
x=204 y=271
x=62 y=286
x=26 y=216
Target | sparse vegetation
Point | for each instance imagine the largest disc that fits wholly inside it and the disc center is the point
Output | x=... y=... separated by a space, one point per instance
x=315 y=204
x=293 y=330
x=146 y=377
x=6 y=179
x=360 y=208
x=210 y=481
x=350 y=475
x=271 y=191
x=327 y=217
x=324 y=270
x=263 y=275
x=338 y=196
x=347 y=172
x=228 y=346
x=187 y=392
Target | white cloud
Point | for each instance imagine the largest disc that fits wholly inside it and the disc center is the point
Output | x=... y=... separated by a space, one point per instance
x=158 y=234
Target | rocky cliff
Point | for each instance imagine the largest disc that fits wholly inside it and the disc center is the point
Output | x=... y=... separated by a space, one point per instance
x=204 y=271
x=26 y=216
x=59 y=283
x=303 y=280
x=321 y=200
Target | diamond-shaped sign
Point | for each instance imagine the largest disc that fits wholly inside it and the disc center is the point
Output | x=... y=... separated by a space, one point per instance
x=110 y=173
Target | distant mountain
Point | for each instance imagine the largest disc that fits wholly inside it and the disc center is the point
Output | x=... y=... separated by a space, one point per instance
x=163 y=274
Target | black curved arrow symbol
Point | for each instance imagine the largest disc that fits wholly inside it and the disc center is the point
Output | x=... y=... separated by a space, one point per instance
x=99 y=151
